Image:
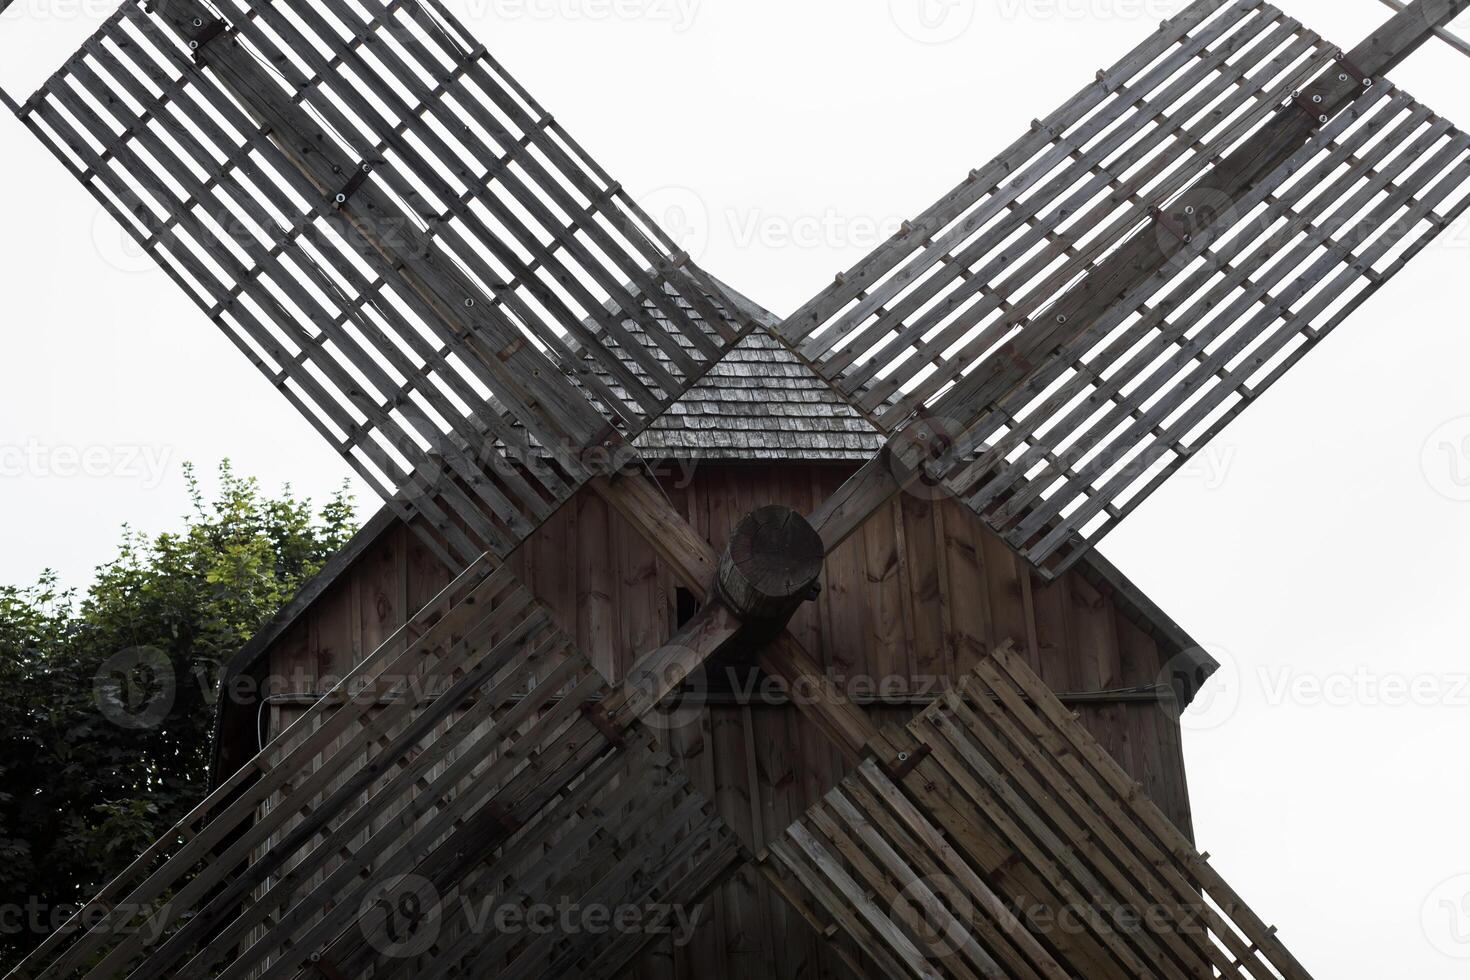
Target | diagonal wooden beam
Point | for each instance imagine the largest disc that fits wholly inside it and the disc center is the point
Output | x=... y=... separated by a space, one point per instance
x=911 y=455
x=1200 y=207
x=693 y=561
x=1018 y=840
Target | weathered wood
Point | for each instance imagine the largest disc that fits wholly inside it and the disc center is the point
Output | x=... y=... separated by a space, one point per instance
x=643 y=505
x=1453 y=40
x=771 y=566
x=991 y=331
x=1004 y=811
x=403 y=277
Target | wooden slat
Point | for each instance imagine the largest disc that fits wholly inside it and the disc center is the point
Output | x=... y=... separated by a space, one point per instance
x=1041 y=321
x=1052 y=808
x=456 y=332
x=646 y=820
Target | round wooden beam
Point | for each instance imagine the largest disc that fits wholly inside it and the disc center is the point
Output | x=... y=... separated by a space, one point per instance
x=772 y=566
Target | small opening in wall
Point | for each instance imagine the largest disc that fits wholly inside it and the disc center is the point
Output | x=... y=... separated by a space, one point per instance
x=685 y=605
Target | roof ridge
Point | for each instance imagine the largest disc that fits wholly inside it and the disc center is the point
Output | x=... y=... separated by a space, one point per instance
x=760 y=402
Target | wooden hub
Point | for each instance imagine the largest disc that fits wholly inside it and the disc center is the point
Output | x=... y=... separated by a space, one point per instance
x=772 y=566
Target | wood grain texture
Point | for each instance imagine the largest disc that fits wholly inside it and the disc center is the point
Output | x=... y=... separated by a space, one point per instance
x=457 y=333
x=762 y=782
x=1010 y=805
x=1085 y=314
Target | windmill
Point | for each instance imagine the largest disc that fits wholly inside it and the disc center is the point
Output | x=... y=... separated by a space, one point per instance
x=483 y=323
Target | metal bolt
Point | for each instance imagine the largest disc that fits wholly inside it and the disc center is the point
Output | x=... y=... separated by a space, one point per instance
x=1343 y=77
x=193 y=45
x=1189 y=209
x=198 y=22
x=903 y=757
x=1061 y=318
x=469 y=304
x=367 y=168
x=341 y=198
x=1322 y=119
x=1316 y=98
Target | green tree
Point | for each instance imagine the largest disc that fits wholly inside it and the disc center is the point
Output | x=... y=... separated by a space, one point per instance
x=107 y=699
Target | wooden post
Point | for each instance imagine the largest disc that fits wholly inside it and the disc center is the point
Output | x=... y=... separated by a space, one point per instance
x=772 y=566
x=690 y=557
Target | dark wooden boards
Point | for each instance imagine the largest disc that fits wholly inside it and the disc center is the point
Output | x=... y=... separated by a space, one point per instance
x=1453 y=40
x=633 y=835
x=993 y=836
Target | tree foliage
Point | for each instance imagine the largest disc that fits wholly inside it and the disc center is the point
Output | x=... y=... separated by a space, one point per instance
x=107 y=699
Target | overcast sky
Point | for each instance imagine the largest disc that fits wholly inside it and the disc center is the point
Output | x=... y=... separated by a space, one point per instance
x=1320 y=549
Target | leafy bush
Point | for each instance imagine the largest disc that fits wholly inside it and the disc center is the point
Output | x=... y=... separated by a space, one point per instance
x=107 y=700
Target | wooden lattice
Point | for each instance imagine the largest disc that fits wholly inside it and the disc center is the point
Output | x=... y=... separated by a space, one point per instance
x=1064 y=399
x=414 y=252
x=445 y=760
x=993 y=836
x=471 y=310
x=631 y=835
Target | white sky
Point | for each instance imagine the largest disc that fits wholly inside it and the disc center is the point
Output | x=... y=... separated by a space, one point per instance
x=1320 y=545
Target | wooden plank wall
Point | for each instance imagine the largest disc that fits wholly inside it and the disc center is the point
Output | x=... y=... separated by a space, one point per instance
x=915 y=600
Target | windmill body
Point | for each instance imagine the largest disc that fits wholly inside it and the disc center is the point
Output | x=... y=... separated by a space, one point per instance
x=908 y=609
x=527 y=685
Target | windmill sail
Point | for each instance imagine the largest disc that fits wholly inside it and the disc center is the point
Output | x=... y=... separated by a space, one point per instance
x=414 y=252
x=471 y=762
x=994 y=836
x=435 y=274
x=409 y=247
x=1083 y=314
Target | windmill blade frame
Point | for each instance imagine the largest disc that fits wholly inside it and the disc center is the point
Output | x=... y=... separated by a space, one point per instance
x=1003 y=746
x=429 y=315
x=1047 y=336
x=572 y=742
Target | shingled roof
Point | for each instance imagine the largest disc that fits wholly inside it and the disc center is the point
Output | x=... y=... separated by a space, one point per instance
x=759 y=403
x=762 y=403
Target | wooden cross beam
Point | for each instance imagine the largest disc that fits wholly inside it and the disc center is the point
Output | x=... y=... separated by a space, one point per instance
x=914 y=455
x=1200 y=207
x=1453 y=40
x=783 y=656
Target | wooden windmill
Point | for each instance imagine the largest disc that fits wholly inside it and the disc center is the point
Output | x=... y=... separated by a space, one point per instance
x=485 y=325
